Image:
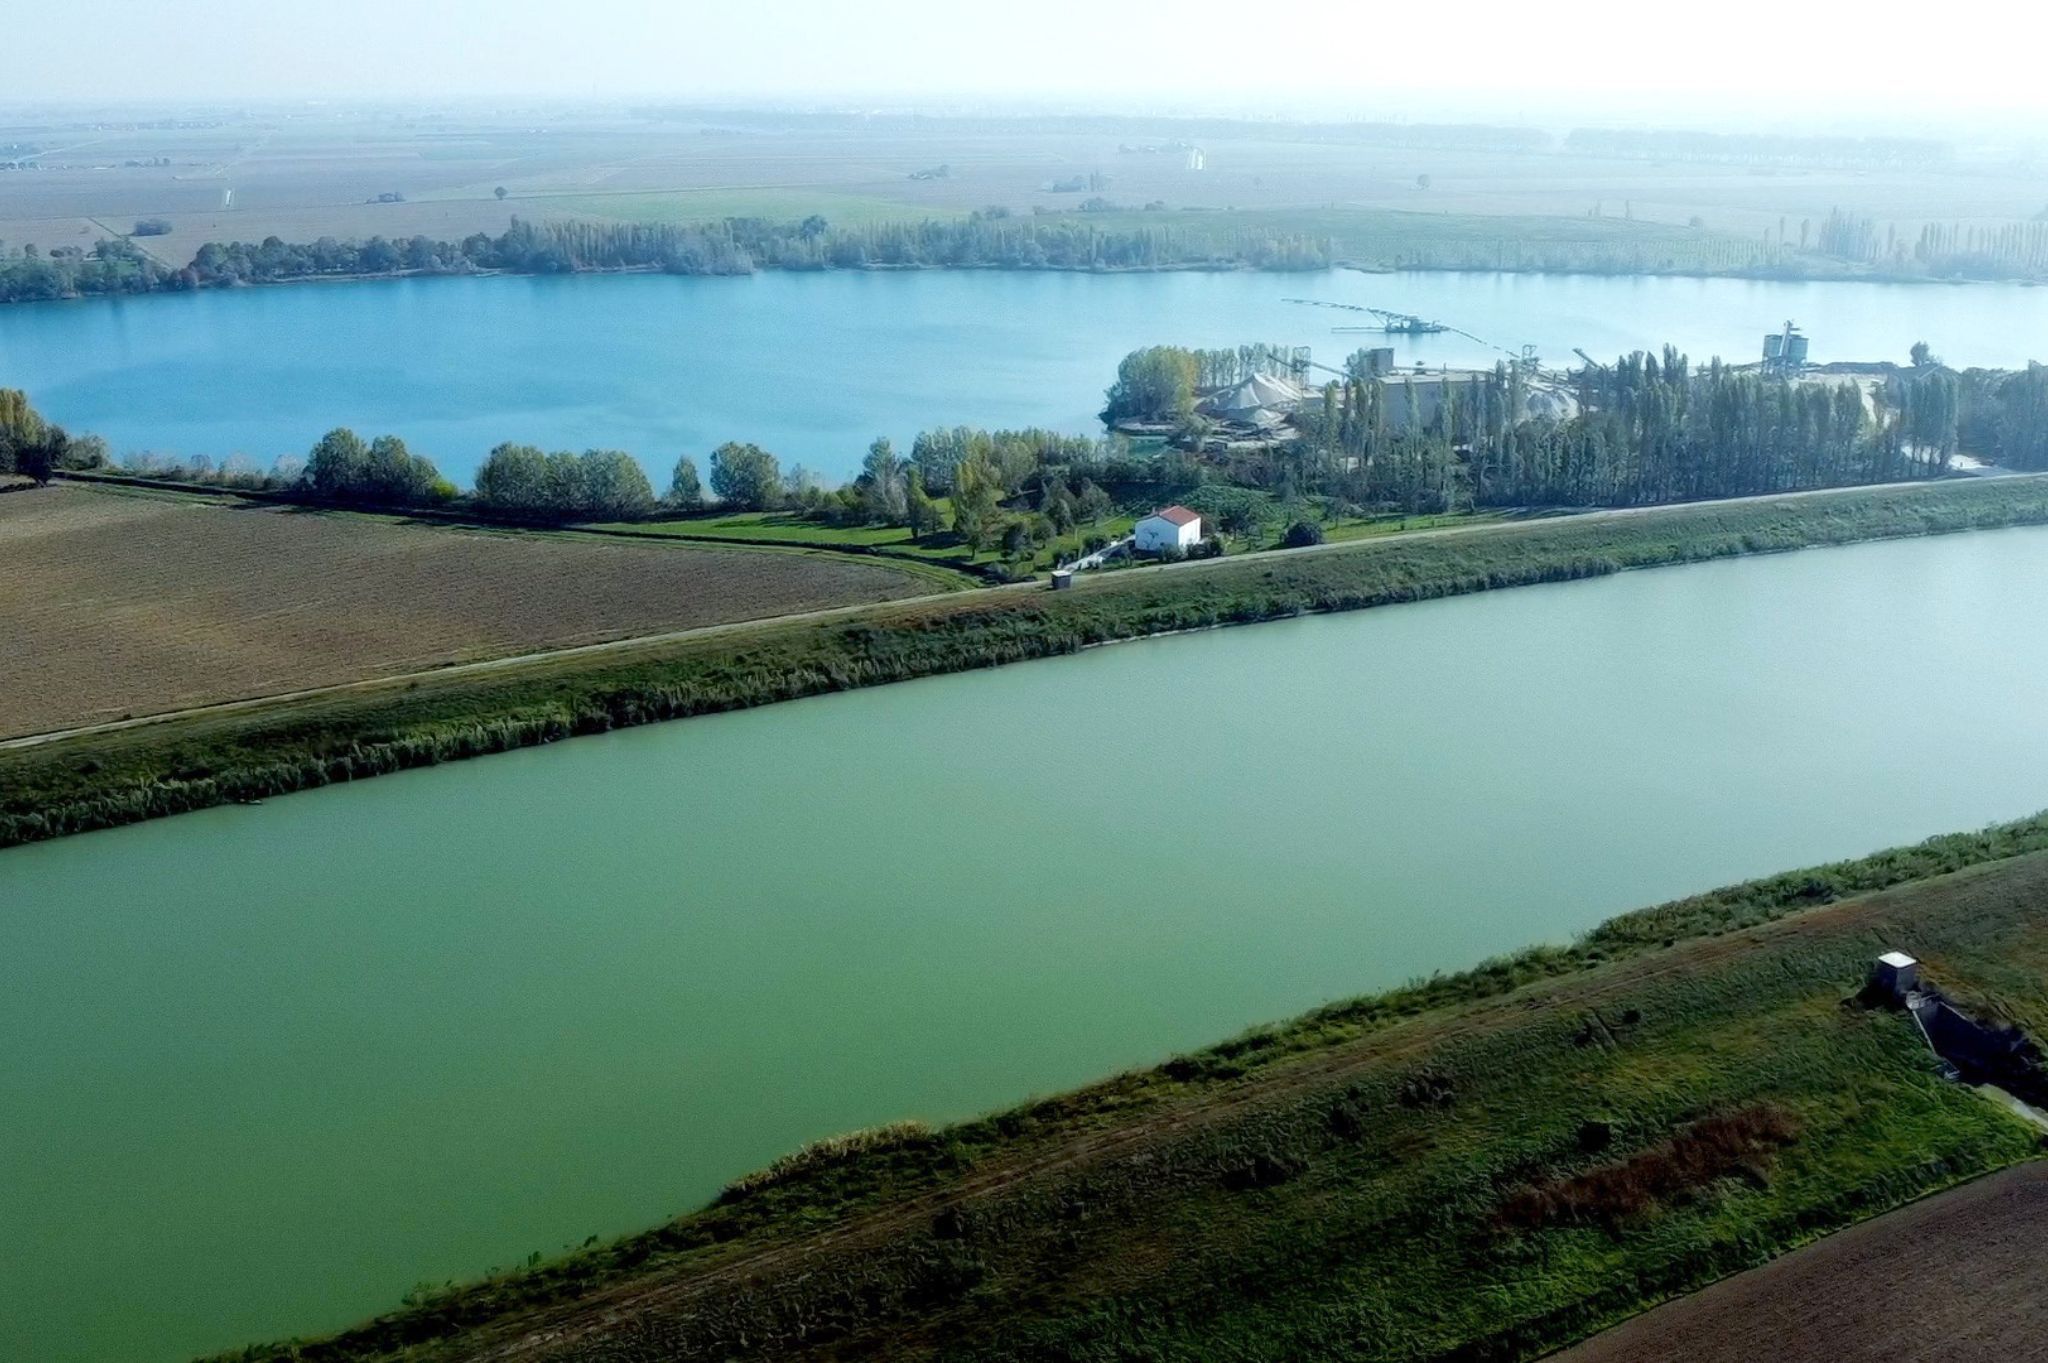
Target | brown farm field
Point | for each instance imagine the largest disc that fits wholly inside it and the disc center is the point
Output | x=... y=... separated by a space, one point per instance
x=115 y=603
x=1962 y=1275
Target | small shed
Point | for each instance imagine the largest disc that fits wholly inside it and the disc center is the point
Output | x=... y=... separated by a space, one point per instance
x=1172 y=527
x=1894 y=975
x=1063 y=579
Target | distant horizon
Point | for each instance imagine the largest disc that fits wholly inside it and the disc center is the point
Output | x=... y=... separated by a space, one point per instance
x=1426 y=108
x=1748 y=59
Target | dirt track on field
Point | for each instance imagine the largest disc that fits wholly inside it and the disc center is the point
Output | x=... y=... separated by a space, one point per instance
x=1952 y=1279
x=114 y=604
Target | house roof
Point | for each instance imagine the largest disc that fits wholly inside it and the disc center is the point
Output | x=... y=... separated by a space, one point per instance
x=1897 y=960
x=1179 y=515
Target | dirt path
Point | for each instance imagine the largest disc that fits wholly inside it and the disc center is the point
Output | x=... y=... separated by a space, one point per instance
x=1955 y=1278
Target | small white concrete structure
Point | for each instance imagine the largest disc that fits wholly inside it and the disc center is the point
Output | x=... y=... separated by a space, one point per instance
x=1895 y=975
x=1173 y=527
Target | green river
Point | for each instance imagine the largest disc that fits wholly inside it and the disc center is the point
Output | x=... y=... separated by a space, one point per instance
x=266 y=1068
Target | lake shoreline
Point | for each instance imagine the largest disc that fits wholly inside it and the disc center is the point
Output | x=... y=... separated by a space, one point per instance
x=814 y=369
x=1845 y=275
x=102 y=780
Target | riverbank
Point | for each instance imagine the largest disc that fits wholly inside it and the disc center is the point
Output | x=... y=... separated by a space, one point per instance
x=1487 y=1164
x=1108 y=240
x=106 y=778
x=1506 y=261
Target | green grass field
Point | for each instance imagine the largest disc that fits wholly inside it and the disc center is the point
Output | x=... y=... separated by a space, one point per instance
x=941 y=563
x=784 y=528
x=947 y=550
x=1375 y=527
x=944 y=550
x=1480 y=1166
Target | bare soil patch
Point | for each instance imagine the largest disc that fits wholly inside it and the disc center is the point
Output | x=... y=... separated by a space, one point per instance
x=114 y=604
x=1963 y=1275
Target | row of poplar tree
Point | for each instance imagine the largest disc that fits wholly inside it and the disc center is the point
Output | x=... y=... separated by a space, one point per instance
x=1648 y=429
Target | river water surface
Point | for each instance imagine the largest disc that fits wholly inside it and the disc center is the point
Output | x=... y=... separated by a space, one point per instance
x=813 y=367
x=266 y=1068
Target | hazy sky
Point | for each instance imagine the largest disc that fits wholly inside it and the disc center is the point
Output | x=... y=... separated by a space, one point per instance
x=1883 y=55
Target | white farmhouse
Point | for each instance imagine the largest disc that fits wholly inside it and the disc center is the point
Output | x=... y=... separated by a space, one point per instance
x=1174 y=527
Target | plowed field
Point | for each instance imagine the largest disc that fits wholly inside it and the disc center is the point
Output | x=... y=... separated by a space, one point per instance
x=114 y=604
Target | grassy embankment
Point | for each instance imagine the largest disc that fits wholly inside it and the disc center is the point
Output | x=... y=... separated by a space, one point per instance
x=102 y=779
x=1478 y=1166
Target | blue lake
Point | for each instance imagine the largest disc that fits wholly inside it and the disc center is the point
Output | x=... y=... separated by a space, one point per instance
x=816 y=366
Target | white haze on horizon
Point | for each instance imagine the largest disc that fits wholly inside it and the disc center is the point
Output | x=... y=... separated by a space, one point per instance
x=1743 y=62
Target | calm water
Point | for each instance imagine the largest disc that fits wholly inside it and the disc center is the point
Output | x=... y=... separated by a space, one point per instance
x=815 y=366
x=266 y=1068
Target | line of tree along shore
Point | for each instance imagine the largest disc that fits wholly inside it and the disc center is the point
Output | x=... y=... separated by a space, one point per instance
x=1644 y=430
x=1100 y=235
x=34 y=448
x=727 y=247
x=100 y=780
